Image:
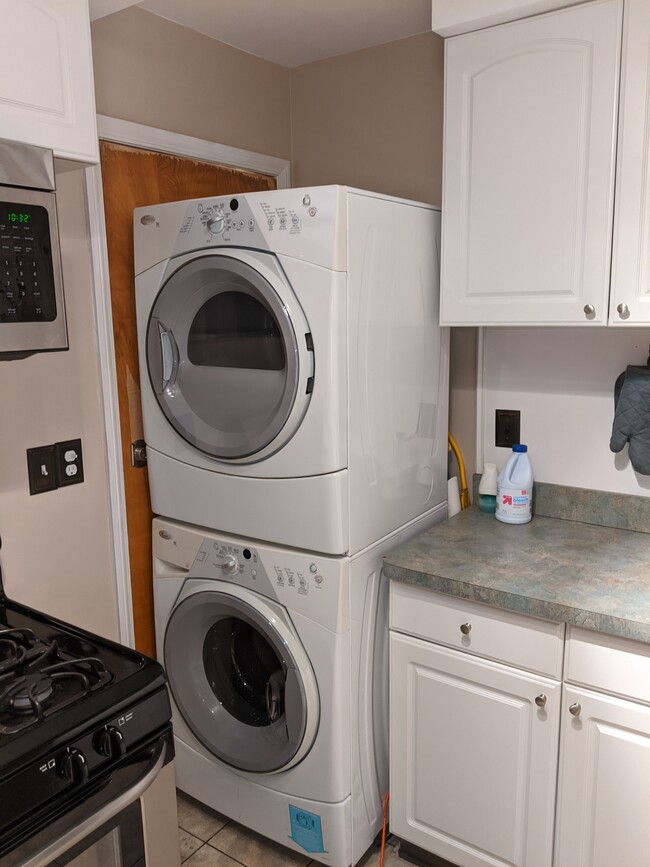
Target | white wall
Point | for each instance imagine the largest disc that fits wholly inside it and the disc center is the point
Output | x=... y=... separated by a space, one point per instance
x=562 y=381
x=56 y=554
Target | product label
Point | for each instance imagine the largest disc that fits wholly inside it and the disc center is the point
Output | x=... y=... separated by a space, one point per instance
x=306 y=829
x=513 y=504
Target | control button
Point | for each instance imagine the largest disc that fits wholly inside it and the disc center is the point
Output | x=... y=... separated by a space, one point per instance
x=295 y=219
x=318 y=579
x=241 y=224
x=313 y=568
x=306 y=200
x=271 y=221
x=251 y=224
x=254 y=573
x=283 y=220
x=303 y=582
x=312 y=212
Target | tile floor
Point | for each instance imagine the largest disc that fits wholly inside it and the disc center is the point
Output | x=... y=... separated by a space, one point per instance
x=208 y=839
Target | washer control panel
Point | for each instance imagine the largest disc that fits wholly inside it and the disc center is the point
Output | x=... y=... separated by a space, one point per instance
x=315 y=585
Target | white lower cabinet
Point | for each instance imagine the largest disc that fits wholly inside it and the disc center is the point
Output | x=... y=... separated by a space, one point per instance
x=473 y=746
x=474 y=742
x=603 y=813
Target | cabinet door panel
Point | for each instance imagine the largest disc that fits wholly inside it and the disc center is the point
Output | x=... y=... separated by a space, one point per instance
x=530 y=116
x=604 y=785
x=473 y=767
x=630 y=294
x=47 y=96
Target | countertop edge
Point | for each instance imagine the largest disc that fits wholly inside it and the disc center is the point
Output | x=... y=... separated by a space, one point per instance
x=520 y=603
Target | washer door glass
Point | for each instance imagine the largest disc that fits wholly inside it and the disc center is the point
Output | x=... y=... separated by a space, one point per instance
x=222 y=357
x=236 y=682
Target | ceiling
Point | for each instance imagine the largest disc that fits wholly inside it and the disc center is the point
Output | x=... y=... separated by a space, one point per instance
x=289 y=32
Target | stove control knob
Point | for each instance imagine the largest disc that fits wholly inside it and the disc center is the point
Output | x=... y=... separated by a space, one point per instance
x=73 y=766
x=109 y=742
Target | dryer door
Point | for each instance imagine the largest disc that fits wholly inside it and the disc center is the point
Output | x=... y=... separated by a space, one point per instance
x=229 y=355
x=241 y=678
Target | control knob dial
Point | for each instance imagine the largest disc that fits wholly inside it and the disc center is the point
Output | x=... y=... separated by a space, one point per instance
x=216 y=224
x=73 y=766
x=228 y=562
x=109 y=742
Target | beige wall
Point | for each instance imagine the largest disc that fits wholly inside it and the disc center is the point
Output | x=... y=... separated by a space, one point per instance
x=56 y=553
x=372 y=119
x=151 y=71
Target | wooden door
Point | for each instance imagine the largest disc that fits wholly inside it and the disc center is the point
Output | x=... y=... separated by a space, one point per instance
x=133 y=178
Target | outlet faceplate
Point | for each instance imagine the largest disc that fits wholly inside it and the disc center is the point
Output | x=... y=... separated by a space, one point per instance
x=507 y=428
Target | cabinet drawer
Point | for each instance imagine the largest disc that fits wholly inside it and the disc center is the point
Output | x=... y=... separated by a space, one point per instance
x=515 y=639
x=616 y=665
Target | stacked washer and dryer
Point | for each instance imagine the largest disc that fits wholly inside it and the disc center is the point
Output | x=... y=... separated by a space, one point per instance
x=294 y=391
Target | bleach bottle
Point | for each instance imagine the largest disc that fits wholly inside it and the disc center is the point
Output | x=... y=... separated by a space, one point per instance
x=515 y=488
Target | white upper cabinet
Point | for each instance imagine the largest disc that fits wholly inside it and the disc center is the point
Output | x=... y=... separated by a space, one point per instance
x=530 y=152
x=47 y=95
x=630 y=293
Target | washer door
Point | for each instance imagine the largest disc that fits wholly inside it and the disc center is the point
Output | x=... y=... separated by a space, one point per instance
x=229 y=356
x=241 y=678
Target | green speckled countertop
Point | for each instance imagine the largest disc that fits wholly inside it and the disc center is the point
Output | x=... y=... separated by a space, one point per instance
x=597 y=577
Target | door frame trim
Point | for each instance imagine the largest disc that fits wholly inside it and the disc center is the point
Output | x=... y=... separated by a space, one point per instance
x=137 y=135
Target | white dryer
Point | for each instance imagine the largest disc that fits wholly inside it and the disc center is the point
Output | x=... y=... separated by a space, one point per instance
x=277 y=667
x=293 y=374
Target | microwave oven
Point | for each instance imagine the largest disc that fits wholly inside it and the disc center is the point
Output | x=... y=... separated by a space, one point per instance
x=32 y=310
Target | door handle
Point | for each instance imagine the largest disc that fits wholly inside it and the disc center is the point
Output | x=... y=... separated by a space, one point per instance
x=169 y=355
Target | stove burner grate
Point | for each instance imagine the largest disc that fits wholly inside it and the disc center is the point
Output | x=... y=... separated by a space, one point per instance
x=35 y=690
x=14 y=644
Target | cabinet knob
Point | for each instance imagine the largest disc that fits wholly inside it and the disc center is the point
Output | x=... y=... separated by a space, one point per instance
x=623 y=311
x=540 y=701
x=589 y=309
x=466 y=628
x=575 y=709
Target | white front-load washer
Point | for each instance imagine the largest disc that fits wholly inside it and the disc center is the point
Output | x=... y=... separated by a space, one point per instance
x=277 y=667
x=293 y=375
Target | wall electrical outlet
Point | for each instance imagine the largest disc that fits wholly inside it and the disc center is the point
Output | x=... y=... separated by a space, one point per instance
x=507 y=428
x=54 y=466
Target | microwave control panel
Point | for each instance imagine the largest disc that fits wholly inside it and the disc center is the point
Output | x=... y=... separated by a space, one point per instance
x=26 y=276
x=32 y=310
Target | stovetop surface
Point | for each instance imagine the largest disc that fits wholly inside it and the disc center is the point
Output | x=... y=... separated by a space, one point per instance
x=57 y=680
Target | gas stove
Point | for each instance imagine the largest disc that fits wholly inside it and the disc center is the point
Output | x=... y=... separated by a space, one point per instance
x=74 y=708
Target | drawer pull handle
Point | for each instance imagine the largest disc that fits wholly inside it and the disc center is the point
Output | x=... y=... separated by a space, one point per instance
x=575 y=709
x=466 y=628
x=540 y=701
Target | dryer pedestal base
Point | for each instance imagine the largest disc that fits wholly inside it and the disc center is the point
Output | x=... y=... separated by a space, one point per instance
x=267 y=812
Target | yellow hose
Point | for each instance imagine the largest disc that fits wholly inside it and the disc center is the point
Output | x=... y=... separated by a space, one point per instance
x=464 y=493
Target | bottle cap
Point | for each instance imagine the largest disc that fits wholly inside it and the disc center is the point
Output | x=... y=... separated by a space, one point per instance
x=520 y=447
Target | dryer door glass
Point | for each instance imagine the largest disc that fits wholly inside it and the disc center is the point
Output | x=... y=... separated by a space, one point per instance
x=236 y=682
x=222 y=357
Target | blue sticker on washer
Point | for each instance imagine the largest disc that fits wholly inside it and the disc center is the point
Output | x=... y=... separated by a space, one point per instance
x=306 y=829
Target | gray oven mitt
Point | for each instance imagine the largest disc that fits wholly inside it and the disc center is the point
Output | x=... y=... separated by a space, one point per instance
x=632 y=417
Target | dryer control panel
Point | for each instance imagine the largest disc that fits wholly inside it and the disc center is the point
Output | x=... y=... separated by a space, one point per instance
x=307 y=224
